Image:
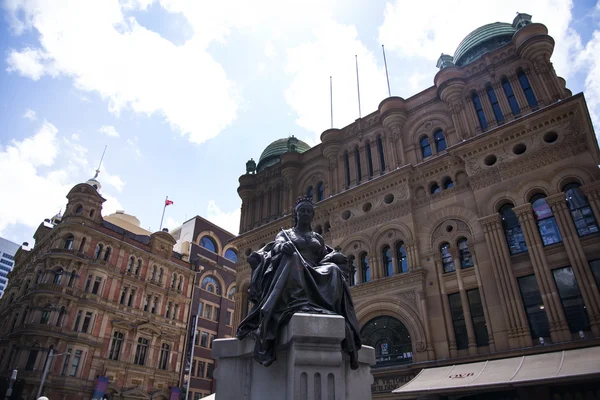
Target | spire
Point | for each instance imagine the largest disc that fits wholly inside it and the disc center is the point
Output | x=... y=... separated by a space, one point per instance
x=94 y=181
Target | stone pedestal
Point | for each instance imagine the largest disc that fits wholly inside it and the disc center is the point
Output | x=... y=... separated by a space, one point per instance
x=310 y=365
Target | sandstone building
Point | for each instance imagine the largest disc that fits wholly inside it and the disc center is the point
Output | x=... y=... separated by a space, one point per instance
x=469 y=211
x=101 y=302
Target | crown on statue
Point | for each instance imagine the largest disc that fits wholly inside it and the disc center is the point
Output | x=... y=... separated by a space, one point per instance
x=305 y=199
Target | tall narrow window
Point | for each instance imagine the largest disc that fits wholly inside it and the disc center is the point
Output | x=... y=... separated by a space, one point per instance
x=402 y=258
x=381 y=154
x=425 y=147
x=534 y=307
x=161 y=273
x=347 y=168
x=45 y=316
x=582 y=214
x=123 y=295
x=147 y=303
x=369 y=159
x=570 y=297
x=61 y=316
x=531 y=100
x=176 y=311
x=31 y=359
x=180 y=283
x=204 y=339
x=353 y=270
x=365 y=269
x=388 y=266
x=478 y=317
x=72 y=278
x=96 y=285
x=138 y=267
x=58 y=274
x=130 y=264
x=69 y=243
x=466 y=259
x=115 y=346
x=512 y=230
x=164 y=356
x=458 y=321
x=440 y=140
x=595 y=265
x=88 y=283
x=479 y=110
x=510 y=96
x=309 y=192
x=168 y=310
x=107 y=254
x=495 y=105
x=154 y=305
x=87 y=322
x=75 y=363
x=173 y=280
x=320 y=191
x=447 y=260
x=131 y=298
x=82 y=245
x=545 y=220
x=447 y=183
x=77 y=320
x=140 y=351
x=153 y=275
x=358 y=168
x=65 y=367
x=98 y=251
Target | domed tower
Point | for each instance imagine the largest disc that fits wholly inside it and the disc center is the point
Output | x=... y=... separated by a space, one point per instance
x=85 y=202
x=272 y=153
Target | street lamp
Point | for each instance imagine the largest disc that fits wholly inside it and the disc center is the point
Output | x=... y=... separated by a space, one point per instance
x=46 y=368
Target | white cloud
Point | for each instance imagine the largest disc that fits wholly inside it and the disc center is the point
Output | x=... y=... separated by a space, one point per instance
x=269 y=50
x=171 y=223
x=75 y=136
x=228 y=221
x=588 y=62
x=30 y=115
x=134 y=144
x=130 y=66
x=108 y=131
x=38 y=172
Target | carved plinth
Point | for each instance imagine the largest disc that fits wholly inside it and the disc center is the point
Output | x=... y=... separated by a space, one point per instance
x=310 y=365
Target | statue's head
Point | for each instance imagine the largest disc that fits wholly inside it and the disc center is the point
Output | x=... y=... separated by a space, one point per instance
x=304 y=210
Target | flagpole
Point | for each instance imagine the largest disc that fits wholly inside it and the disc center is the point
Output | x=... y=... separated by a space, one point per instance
x=331 y=99
x=358 y=86
x=386 y=71
x=163 y=214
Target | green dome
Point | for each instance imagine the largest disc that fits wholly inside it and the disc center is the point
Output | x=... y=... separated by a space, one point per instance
x=273 y=152
x=482 y=40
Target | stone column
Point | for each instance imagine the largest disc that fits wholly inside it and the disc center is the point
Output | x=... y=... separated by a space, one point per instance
x=475 y=126
x=333 y=177
x=559 y=330
x=502 y=100
x=487 y=108
x=445 y=307
x=577 y=258
x=412 y=255
x=375 y=157
x=427 y=323
x=352 y=167
x=592 y=192
x=240 y=300
x=486 y=312
x=519 y=94
x=510 y=298
x=464 y=301
x=394 y=261
x=375 y=273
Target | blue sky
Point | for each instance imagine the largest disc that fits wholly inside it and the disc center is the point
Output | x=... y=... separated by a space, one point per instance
x=183 y=93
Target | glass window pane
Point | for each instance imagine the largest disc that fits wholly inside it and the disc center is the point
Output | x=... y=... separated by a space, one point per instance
x=458 y=321
x=390 y=339
x=478 y=317
x=595 y=265
x=570 y=296
x=534 y=307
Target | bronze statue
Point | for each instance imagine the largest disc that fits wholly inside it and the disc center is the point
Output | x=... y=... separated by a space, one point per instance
x=297 y=273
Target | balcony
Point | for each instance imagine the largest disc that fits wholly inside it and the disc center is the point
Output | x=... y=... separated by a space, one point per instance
x=42 y=328
x=49 y=287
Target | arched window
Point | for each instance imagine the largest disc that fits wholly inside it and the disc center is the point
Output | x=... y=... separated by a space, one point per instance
x=435 y=188
x=173 y=280
x=231 y=292
x=364 y=268
x=582 y=214
x=425 y=147
x=309 y=192
x=466 y=259
x=440 y=140
x=447 y=260
x=107 y=254
x=358 y=169
x=479 y=110
x=381 y=155
x=510 y=96
x=512 y=230
x=210 y=284
x=82 y=245
x=231 y=255
x=180 y=284
x=161 y=272
x=130 y=264
x=353 y=271
x=153 y=275
x=494 y=102
x=98 y=251
x=138 y=267
x=58 y=275
x=69 y=242
x=369 y=159
x=72 y=278
x=401 y=257
x=531 y=100
x=165 y=350
x=386 y=256
x=545 y=220
x=347 y=168
x=390 y=339
x=320 y=191
x=208 y=243
x=61 y=316
x=447 y=183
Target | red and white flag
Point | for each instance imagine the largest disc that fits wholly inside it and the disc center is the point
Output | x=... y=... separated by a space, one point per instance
x=168 y=202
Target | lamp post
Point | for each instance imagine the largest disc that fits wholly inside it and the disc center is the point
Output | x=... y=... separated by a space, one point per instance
x=46 y=368
x=13 y=378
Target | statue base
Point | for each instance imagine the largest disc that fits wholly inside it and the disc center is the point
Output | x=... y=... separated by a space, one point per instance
x=310 y=365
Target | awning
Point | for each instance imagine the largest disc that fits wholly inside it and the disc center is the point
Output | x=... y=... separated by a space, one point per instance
x=211 y=397
x=504 y=373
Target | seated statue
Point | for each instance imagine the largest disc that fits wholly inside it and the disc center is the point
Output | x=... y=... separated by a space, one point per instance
x=297 y=273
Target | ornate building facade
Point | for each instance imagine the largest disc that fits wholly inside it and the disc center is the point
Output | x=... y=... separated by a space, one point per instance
x=100 y=302
x=470 y=212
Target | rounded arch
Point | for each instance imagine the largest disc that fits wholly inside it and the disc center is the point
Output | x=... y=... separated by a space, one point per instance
x=231 y=290
x=211 y=235
x=363 y=241
x=416 y=126
x=526 y=188
x=495 y=200
x=229 y=246
x=400 y=231
x=461 y=213
x=217 y=276
x=563 y=176
x=311 y=177
x=402 y=310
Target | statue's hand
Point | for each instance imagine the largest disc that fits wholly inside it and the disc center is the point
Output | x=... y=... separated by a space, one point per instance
x=287 y=248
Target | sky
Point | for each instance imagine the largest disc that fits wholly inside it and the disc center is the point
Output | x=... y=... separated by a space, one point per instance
x=183 y=92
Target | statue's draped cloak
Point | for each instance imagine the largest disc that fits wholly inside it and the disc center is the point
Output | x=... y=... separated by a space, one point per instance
x=283 y=284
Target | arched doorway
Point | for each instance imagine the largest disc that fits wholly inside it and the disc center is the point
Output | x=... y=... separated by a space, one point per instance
x=390 y=339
